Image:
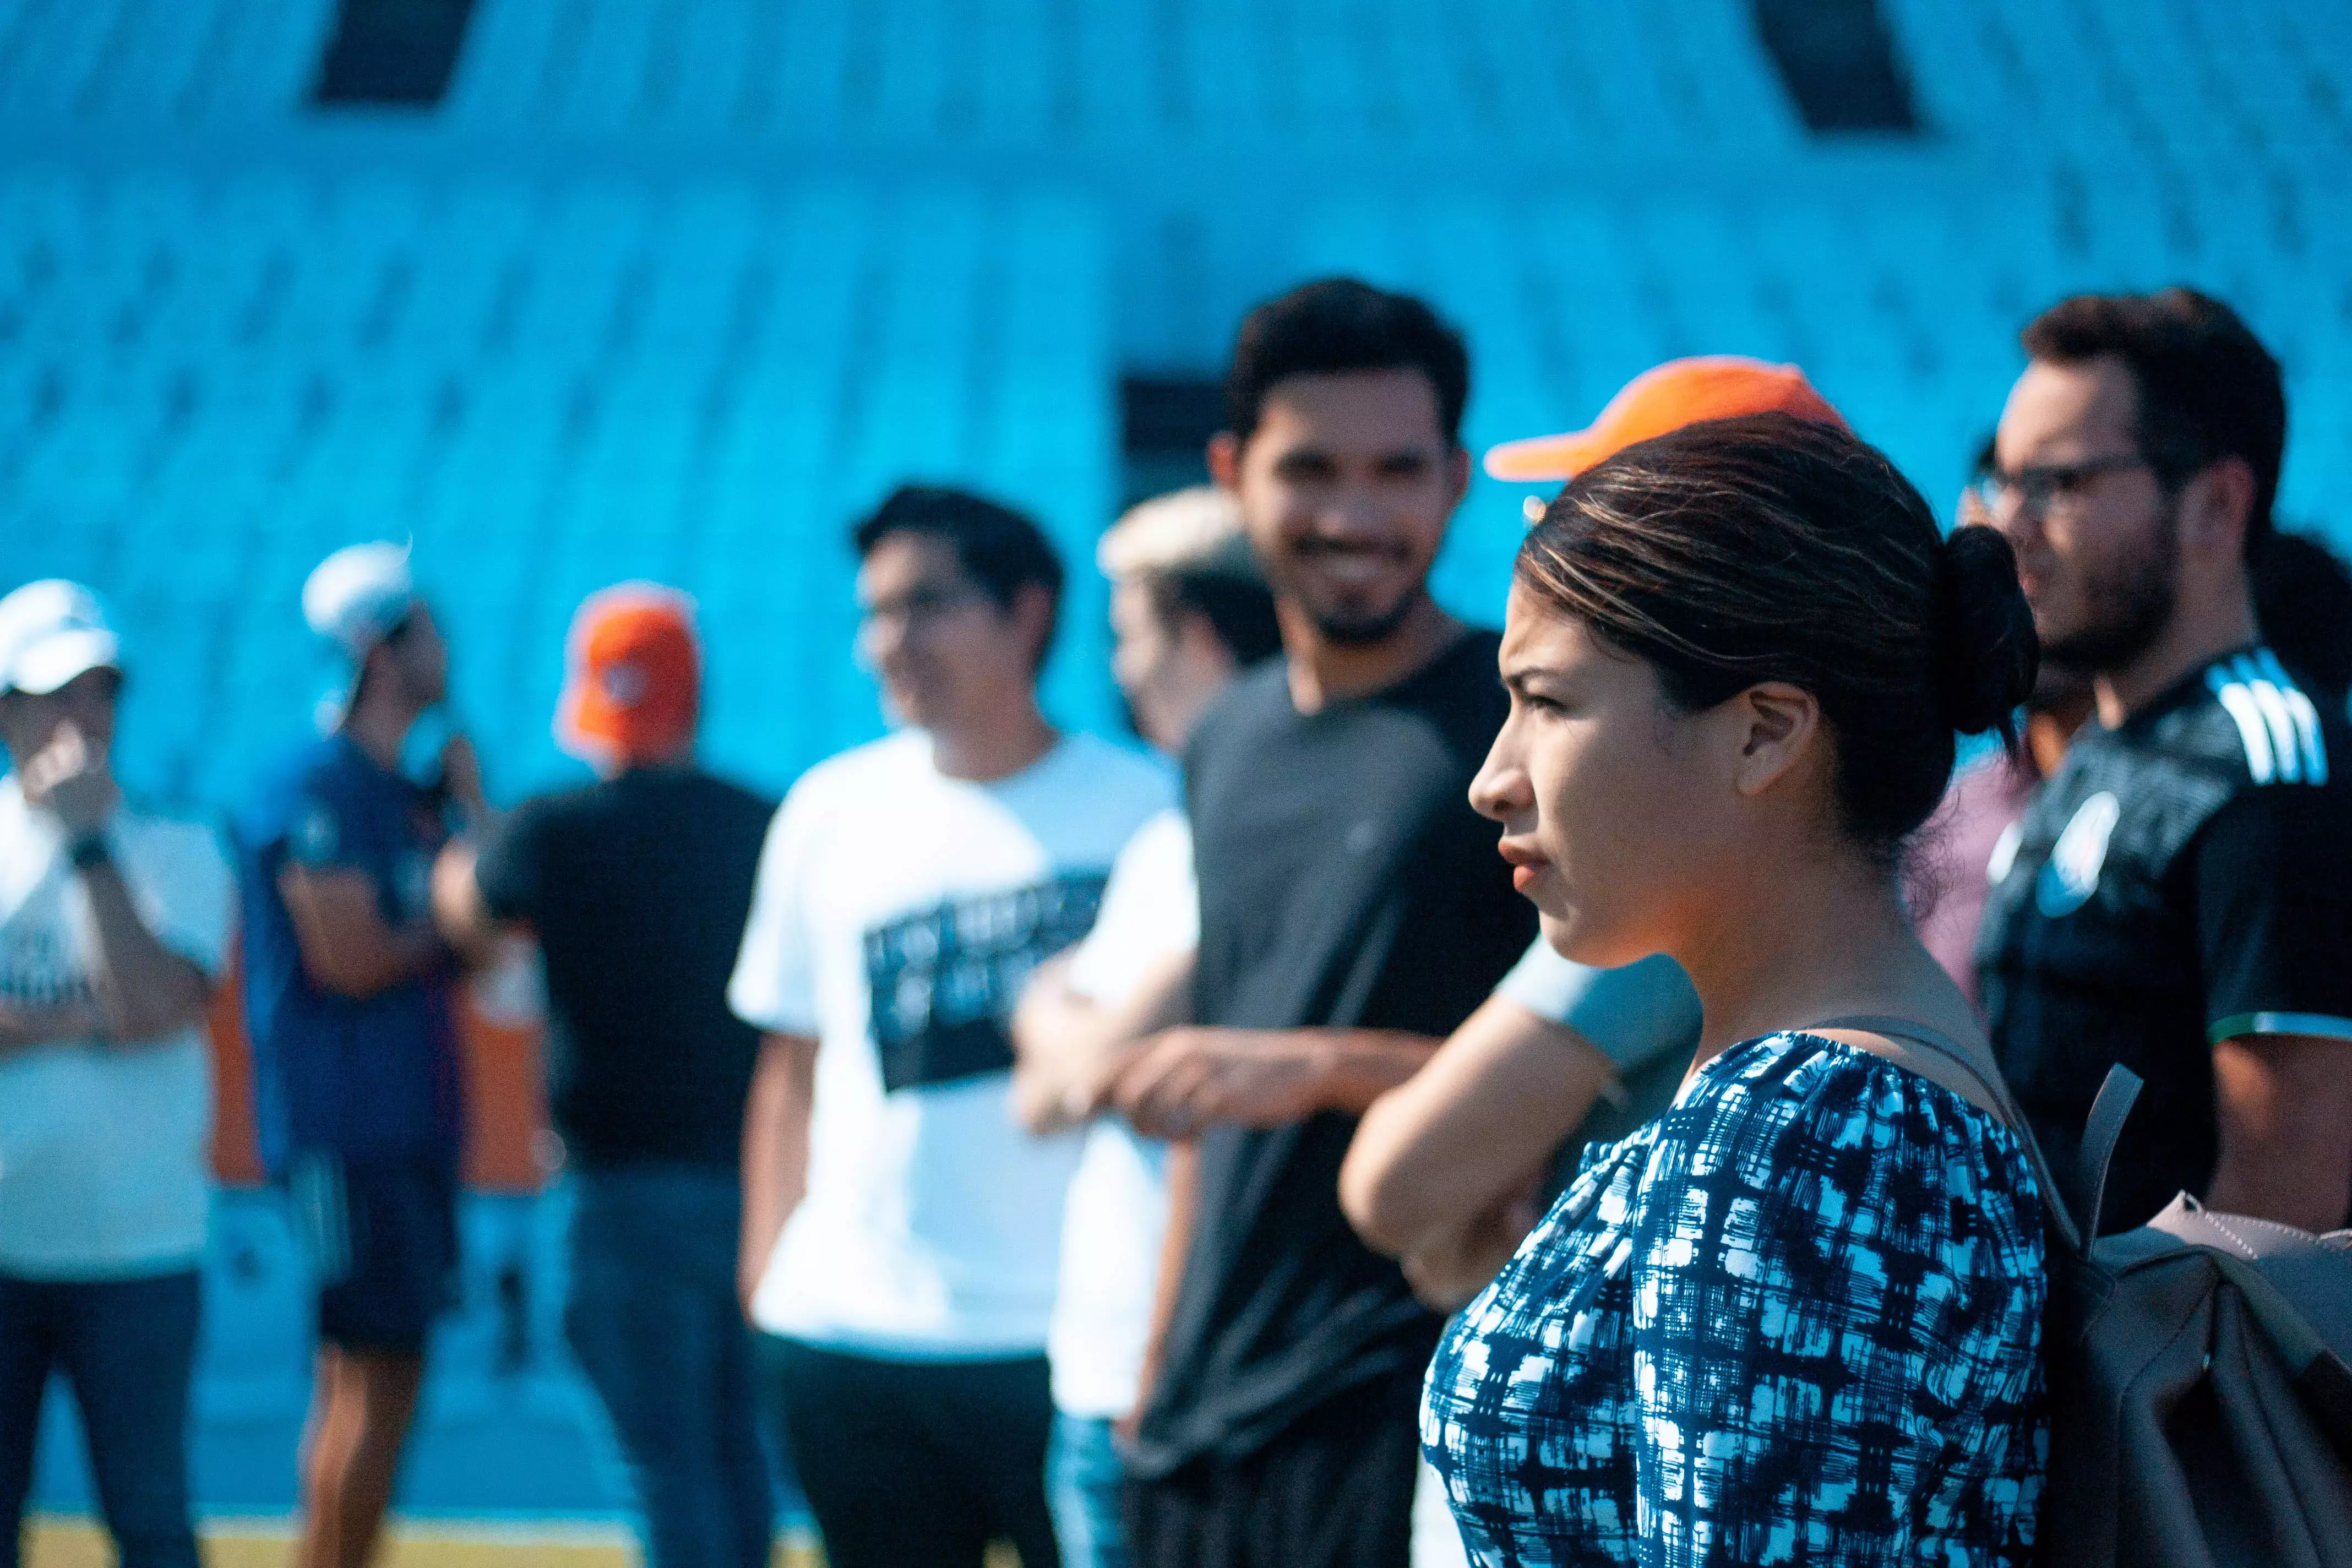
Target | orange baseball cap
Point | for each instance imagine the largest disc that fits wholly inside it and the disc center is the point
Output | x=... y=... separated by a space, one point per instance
x=1666 y=397
x=632 y=690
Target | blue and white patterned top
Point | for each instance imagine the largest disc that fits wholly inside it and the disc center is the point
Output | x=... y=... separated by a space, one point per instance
x=1797 y=1319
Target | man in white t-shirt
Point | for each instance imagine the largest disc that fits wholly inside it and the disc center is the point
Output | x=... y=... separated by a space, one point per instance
x=113 y=930
x=1189 y=610
x=900 y=1230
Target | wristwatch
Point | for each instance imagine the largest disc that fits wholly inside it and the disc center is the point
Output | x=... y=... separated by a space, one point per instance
x=90 y=850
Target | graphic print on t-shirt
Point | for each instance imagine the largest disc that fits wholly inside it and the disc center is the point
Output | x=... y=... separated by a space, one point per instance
x=943 y=979
x=38 y=967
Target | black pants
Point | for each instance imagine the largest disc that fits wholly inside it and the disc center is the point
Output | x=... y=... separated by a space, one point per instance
x=1334 y=1490
x=916 y=1464
x=127 y=1348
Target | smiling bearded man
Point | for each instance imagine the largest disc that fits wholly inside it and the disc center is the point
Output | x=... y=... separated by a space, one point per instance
x=1352 y=914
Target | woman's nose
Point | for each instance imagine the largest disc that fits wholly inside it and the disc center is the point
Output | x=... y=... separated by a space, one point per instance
x=1501 y=790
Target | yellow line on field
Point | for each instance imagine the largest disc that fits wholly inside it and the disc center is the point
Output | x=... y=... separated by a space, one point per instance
x=60 y=1541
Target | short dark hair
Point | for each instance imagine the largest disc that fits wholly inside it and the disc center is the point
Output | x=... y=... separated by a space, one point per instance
x=1000 y=550
x=1338 y=324
x=2303 y=602
x=2208 y=388
x=1773 y=548
x=1239 y=610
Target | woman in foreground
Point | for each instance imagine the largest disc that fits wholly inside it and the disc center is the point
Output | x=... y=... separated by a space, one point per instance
x=1798 y=1318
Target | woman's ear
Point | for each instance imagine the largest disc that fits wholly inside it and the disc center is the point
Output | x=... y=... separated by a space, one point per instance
x=1774 y=726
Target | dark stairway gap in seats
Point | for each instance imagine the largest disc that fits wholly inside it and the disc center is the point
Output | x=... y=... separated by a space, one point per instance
x=1837 y=59
x=396 y=53
x=1165 y=423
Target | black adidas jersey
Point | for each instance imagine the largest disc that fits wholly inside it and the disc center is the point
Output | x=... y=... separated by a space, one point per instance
x=2178 y=881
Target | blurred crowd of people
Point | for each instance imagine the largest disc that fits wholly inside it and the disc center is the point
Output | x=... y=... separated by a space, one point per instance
x=1081 y=1143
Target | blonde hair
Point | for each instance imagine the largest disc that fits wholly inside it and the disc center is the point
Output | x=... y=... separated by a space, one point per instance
x=1194 y=531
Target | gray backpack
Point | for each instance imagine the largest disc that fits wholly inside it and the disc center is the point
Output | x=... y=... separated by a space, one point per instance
x=2200 y=1366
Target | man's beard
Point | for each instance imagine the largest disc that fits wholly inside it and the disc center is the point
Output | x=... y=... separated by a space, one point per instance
x=2058 y=686
x=1364 y=628
x=2125 y=611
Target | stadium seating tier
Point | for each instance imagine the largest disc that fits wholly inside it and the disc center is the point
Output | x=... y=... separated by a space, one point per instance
x=671 y=289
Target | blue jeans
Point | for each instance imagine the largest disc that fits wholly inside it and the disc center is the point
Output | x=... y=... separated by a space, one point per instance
x=1083 y=1479
x=654 y=1320
x=127 y=1348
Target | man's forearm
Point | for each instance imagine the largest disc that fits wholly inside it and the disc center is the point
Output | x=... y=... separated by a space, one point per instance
x=1489 y=1111
x=2246 y=1182
x=407 y=951
x=1056 y=1034
x=775 y=1150
x=1353 y=1067
x=1181 y=1174
x=1069 y=1048
x=2285 y=1114
x=48 y=1024
x=1187 y=1078
x=144 y=990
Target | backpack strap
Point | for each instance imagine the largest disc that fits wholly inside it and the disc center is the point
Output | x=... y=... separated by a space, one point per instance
x=2116 y=1094
x=1941 y=1048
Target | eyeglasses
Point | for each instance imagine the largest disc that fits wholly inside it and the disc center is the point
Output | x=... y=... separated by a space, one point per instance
x=2049 y=487
x=917 y=607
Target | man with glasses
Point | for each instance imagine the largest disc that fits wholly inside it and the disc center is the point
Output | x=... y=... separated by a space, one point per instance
x=2178 y=895
x=900 y=1231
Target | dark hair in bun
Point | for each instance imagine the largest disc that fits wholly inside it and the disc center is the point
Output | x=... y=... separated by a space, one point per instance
x=1987 y=654
x=1773 y=548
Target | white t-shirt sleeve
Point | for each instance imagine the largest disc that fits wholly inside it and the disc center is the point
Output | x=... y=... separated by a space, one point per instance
x=1150 y=910
x=184 y=889
x=774 y=984
x=1633 y=1015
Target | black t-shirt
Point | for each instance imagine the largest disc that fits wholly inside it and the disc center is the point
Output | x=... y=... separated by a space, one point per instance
x=2178 y=881
x=638 y=887
x=1344 y=881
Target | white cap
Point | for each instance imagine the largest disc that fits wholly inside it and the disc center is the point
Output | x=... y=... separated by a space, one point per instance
x=51 y=631
x=359 y=593
x=1198 y=528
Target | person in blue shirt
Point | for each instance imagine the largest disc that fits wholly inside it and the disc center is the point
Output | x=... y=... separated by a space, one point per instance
x=348 y=991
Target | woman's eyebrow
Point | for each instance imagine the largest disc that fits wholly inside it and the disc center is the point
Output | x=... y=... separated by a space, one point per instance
x=1519 y=678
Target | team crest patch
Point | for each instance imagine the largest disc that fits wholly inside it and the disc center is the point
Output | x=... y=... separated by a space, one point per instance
x=2072 y=873
x=316 y=837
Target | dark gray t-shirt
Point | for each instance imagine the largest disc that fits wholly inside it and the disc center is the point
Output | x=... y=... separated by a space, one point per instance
x=1344 y=881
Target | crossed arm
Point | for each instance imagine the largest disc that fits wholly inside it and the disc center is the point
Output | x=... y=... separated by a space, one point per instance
x=142 y=990
x=2284 y=1103
x=1140 y=1057
x=1446 y=1168
x=1069 y=1050
x=347 y=945
x=1141 y=1060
